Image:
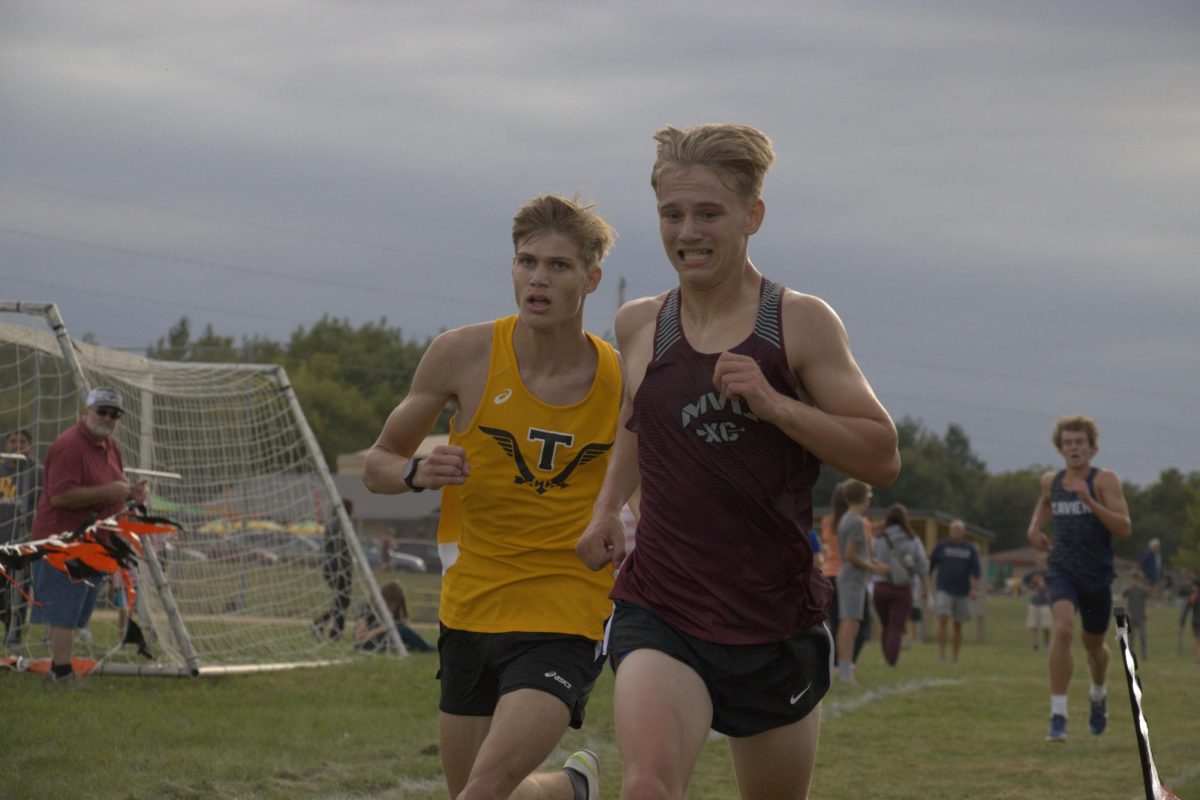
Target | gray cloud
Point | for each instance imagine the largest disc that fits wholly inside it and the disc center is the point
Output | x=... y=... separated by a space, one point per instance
x=999 y=199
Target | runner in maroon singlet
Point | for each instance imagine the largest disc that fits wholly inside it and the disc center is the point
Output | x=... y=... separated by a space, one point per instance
x=736 y=390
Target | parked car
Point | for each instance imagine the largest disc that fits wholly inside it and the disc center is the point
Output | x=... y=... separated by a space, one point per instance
x=425 y=549
x=405 y=562
x=287 y=546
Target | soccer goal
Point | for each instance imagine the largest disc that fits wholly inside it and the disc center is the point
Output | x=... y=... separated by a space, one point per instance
x=228 y=455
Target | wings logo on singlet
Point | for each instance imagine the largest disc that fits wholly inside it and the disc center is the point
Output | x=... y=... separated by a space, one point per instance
x=551 y=441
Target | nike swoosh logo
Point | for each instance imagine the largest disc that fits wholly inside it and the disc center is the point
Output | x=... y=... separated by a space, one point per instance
x=796 y=698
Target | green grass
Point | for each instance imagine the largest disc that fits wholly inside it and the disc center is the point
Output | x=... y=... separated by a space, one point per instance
x=365 y=730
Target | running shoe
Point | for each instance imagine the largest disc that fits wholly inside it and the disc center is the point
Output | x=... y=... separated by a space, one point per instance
x=1058 y=728
x=585 y=763
x=1098 y=718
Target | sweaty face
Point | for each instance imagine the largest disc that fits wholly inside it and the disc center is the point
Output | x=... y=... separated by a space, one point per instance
x=1075 y=448
x=704 y=224
x=551 y=279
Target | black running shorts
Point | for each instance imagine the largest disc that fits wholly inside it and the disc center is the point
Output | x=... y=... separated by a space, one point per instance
x=1094 y=603
x=475 y=669
x=754 y=688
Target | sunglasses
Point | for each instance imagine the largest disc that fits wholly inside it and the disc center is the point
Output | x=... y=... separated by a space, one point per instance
x=111 y=413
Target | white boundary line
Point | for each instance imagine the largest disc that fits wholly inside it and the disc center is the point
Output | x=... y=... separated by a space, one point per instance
x=840 y=708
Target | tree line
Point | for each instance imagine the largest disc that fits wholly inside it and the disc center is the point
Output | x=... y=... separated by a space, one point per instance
x=348 y=379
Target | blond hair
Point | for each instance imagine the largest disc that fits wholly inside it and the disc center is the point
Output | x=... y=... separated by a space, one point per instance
x=552 y=213
x=1076 y=422
x=739 y=154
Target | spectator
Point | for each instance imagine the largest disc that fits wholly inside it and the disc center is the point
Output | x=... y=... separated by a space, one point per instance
x=20 y=482
x=385 y=554
x=1152 y=566
x=338 y=570
x=899 y=548
x=1038 y=618
x=1136 y=597
x=1192 y=606
x=956 y=562
x=857 y=567
x=370 y=634
x=85 y=477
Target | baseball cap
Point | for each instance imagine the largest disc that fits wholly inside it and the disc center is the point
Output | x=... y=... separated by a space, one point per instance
x=105 y=397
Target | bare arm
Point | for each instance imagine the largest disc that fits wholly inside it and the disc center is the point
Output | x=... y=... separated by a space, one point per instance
x=845 y=426
x=603 y=541
x=98 y=496
x=870 y=565
x=434 y=384
x=1041 y=515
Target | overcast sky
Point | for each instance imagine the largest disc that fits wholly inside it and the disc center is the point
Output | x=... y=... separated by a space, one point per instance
x=1000 y=199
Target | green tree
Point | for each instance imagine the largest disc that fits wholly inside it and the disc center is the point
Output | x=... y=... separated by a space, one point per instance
x=937 y=473
x=1006 y=504
x=347 y=379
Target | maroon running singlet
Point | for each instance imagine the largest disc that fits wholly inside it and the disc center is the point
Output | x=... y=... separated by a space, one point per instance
x=722 y=549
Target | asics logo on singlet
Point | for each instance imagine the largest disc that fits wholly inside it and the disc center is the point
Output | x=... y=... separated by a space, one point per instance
x=550 y=442
x=502 y=397
x=559 y=678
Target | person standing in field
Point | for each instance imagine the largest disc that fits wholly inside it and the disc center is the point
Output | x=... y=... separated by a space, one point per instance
x=956 y=562
x=1137 y=597
x=1038 y=619
x=85 y=477
x=522 y=619
x=20 y=482
x=900 y=550
x=858 y=567
x=1087 y=507
x=338 y=571
x=736 y=390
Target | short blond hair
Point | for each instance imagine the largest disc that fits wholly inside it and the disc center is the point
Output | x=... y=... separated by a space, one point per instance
x=552 y=213
x=741 y=155
x=1076 y=422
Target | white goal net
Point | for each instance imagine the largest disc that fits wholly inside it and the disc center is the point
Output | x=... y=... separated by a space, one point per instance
x=246 y=585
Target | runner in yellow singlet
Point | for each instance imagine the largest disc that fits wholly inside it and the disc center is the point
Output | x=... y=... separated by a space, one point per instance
x=522 y=617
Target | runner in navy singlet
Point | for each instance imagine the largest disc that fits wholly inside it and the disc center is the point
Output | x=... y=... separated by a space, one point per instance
x=736 y=390
x=1087 y=506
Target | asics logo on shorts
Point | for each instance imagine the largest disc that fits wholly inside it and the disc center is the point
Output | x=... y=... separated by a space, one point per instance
x=559 y=678
x=502 y=397
x=796 y=698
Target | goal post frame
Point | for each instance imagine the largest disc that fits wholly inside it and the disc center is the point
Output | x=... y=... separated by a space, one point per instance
x=192 y=666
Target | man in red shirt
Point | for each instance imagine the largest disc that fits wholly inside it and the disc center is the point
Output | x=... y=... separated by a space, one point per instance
x=84 y=476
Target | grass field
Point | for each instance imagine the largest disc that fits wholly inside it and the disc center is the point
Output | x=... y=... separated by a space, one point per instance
x=367 y=730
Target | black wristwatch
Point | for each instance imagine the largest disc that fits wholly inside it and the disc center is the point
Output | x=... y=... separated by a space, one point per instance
x=410 y=472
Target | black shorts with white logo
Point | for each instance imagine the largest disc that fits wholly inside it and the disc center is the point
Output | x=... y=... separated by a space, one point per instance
x=755 y=687
x=475 y=669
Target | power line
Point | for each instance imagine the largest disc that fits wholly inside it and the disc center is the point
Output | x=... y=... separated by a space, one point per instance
x=209 y=216
x=258 y=271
